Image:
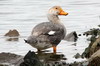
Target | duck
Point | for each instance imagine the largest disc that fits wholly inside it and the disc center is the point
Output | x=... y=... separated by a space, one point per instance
x=48 y=34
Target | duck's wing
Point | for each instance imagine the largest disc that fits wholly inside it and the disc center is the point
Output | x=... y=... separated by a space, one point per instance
x=48 y=28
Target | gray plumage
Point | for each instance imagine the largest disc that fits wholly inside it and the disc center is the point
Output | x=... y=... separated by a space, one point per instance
x=40 y=37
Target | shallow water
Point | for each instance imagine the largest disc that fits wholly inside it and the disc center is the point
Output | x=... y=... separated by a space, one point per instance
x=23 y=15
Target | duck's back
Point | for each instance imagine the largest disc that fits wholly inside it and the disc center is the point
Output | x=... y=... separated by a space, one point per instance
x=49 y=32
x=49 y=29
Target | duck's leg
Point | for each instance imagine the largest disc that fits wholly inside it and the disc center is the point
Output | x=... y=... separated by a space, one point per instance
x=54 y=49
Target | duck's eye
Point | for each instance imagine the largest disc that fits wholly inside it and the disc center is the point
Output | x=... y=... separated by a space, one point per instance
x=56 y=8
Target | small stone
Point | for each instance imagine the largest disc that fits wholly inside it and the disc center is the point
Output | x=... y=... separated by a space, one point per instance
x=98 y=25
x=71 y=37
x=64 y=58
x=64 y=63
x=83 y=34
x=79 y=35
x=74 y=44
x=56 y=62
x=12 y=33
x=77 y=56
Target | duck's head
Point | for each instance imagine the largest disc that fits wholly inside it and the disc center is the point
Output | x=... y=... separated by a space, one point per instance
x=54 y=12
x=57 y=10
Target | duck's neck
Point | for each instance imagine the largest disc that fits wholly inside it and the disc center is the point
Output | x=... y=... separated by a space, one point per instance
x=53 y=18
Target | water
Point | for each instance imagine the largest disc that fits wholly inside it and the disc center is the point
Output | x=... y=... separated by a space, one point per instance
x=23 y=15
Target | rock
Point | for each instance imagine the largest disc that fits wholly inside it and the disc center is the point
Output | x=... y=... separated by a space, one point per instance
x=39 y=59
x=3 y=65
x=92 y=32
x=84 y=63
x=31 y=59
x=94 y=42
x=77 y=56
x=86 y=53
x=71 y=36
x=94 y=60
x=93 y=38
x=43 y=59
x=12 y=35
x=98 y=25
x=74 y=44
x=92 y=48
x=95 y=46
x=47 y=59
x=9 y=59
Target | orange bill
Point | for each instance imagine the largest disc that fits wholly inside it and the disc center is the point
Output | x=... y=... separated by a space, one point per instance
x=62 y=12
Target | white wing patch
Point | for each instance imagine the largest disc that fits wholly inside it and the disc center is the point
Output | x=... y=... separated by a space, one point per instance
x=51 y=33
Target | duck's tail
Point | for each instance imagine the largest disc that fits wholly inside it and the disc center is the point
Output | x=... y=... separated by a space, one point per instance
x=30 y=40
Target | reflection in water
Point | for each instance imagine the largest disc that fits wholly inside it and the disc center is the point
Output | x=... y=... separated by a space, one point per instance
x=51 y=59
x=43 y=59
x=12 y=39
x=48 y=59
